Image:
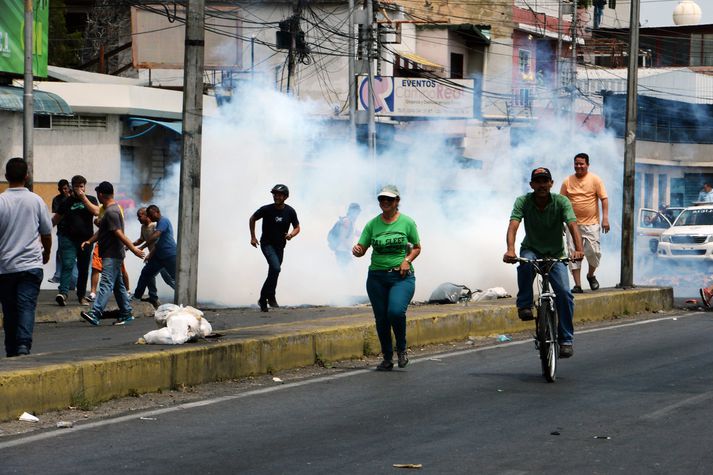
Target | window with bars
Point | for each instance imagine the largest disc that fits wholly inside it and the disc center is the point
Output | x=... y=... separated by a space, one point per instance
x=79 y=122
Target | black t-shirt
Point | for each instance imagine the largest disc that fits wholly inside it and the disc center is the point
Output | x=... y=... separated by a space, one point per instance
x=110 y=245
x=56 y=203
x=77 y=220
x=276 y=223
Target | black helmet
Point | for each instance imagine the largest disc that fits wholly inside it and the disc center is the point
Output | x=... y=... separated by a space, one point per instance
x=281 y=189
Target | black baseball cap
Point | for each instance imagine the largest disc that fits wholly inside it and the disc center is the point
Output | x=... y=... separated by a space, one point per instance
x=105 y=187
x=540 y=172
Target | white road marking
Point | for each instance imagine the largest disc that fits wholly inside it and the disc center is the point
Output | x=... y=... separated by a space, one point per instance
x=281 y=387
x=666 y=410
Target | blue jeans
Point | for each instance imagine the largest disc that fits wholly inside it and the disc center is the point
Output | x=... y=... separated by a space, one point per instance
x=151 y=284
x=72 y=253
x=18 y=295
x=390 y=295
x=151 y=269
x=111 y=281
x=273 y=255
x=559 y=279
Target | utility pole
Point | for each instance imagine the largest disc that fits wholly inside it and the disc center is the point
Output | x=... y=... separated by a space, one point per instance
x=627 y=214
x=294 y=28
x=573 y=68
x=371 y=128
x=560 y=76
x=190 y=184
x=350 y=50
x=28 y=106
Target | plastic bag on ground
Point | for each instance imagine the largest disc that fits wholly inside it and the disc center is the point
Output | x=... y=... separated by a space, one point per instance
x=491 y=294
x=450 y=293
x=182 y=324
x=162 y=312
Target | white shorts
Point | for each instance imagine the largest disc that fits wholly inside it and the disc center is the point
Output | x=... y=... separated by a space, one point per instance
x=590 y=245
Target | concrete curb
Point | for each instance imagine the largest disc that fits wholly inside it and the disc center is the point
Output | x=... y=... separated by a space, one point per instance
x=101 y=378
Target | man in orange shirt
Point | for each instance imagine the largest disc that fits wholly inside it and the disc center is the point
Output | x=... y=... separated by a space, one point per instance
x=584 y=191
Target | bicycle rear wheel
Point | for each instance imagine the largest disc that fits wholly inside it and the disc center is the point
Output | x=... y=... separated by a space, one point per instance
x=547 y=337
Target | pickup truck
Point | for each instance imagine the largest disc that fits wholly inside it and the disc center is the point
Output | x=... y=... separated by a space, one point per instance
x=690 y=237
x=650 y=225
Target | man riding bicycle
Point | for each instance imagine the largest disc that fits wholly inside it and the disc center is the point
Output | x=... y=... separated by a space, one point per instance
x=544 y=213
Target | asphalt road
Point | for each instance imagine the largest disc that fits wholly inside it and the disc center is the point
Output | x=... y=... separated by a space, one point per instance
x=634 y=399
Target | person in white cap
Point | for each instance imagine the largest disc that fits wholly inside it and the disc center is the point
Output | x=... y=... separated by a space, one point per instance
x=391 y=282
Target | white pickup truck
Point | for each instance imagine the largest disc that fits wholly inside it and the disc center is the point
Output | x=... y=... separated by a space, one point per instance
x=690 y=237
x=650 y=225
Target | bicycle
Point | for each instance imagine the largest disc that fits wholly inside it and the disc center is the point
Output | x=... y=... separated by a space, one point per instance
x=547 y=320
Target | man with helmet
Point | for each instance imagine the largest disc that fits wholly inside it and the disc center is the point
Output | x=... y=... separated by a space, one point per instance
x=276 y=220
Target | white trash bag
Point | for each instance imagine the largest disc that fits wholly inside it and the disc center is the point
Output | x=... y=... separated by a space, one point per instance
x=180 y=324
x=491 y=294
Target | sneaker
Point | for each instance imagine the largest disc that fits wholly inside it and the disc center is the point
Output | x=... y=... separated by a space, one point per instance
x=124 y=320
x=22 y=350
x=706 y=296
x=263 y=305
x=593 y=282
x=577 y=290
x=85 y=302
x=385 y=365
x=566 y=350
x=273 y=303
x=89 y=316
x=155 y=302
x=403 y=359
x=53 y=280
x=92 y=297
x=525 y=314
x=61 y=300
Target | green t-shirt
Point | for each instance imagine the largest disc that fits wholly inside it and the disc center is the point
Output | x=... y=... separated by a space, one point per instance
x=543 y=229
x=389 y=242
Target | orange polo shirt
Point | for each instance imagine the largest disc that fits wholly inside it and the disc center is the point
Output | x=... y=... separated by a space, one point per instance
x=584 y=194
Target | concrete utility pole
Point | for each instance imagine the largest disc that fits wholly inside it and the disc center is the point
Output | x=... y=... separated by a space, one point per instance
x=371 y=128
x=350 y=50
x=294 y=27
x=28 y=106
x=627 y=214
x=189 y=197
x=573 y=66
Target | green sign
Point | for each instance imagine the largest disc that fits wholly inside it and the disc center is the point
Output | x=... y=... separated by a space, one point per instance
x=12 y=36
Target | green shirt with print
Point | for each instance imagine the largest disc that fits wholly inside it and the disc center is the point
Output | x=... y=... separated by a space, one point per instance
x=389 y=241
x=543 y=229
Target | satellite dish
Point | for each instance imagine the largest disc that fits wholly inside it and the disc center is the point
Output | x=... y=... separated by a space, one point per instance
x=687 y=12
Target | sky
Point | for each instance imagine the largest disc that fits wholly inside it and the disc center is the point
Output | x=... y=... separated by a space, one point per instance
x=660 y=12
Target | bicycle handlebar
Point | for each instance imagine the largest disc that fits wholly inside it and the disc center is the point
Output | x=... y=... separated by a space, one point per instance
x=544 y=260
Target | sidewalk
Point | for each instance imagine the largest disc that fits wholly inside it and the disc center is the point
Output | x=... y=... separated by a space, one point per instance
x=74 y=363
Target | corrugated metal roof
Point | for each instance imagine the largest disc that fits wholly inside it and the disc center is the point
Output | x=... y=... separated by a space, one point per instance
x=678 y=84
x=45 y=103
x=420 y=60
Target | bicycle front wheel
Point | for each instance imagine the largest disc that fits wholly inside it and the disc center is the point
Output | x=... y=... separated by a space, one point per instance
x=547 y=337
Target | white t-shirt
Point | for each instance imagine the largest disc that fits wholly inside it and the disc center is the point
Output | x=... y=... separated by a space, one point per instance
x=23 y=218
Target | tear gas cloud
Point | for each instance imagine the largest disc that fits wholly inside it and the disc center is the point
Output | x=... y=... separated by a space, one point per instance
x=263 y=137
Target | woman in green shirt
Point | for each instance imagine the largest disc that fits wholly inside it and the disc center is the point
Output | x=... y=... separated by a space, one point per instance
x=391 y=282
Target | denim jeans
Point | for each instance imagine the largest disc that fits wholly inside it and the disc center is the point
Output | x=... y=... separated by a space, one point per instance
x=390 y=295
x=151 y=284
x=18 y=295
x=559 y=279
x=273 y=255
x=111 y=281
x=71 y=252
x=152 y=267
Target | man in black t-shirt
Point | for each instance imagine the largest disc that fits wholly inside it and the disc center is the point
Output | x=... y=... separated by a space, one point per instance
x=111 y=241
x=75 y=217
x=276 y=221
x=64 y=192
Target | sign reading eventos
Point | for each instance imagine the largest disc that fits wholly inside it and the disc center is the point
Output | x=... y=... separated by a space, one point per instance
x=418 y=97
x=12 y=36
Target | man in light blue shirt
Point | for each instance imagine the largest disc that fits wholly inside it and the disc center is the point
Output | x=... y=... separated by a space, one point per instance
x=706 y=196
x=25 y=245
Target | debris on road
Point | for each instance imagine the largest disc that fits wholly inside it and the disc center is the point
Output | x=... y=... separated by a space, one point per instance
x=277 y=380
x=147 y=419
x=504 y=338
x=408 y=465
x=65 y=424
x=605 y=437
x=27 y=417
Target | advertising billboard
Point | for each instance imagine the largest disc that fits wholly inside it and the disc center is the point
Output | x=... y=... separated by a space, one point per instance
x=12 y=36
x=418 y=97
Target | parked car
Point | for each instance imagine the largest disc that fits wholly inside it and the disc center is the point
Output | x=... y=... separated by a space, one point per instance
x=690 y=238
x=650 y=225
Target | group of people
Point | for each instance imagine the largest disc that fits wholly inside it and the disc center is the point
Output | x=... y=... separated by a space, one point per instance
x=26 y=242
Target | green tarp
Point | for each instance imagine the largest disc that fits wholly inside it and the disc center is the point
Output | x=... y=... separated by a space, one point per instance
x=12 y=36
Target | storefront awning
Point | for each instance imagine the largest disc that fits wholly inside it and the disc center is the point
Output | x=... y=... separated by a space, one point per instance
x=45 y=103
x=414 y=61
x=136 y=122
